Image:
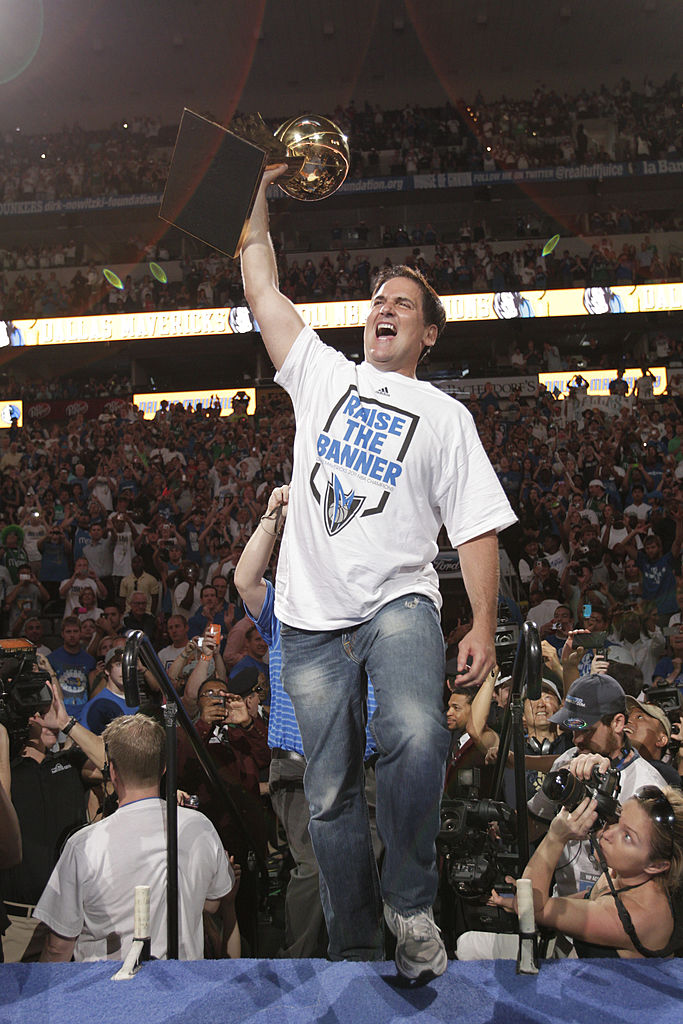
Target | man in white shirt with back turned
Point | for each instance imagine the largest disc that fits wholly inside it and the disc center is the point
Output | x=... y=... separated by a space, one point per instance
x=88 y=902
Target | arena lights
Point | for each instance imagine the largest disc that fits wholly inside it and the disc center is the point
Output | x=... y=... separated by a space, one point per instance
x=190 y=323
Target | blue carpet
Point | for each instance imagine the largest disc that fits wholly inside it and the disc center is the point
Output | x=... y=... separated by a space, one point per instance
x=302 y=991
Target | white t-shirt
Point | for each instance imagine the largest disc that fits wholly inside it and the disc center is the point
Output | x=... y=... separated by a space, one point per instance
x=167 y=655
x=91 y=891
x=380 y=462
x=122 y=554
x=32 y=534
x=543 y=612
x=179 y=595
x=642 y=511
x=73 y=598
x=577 y=870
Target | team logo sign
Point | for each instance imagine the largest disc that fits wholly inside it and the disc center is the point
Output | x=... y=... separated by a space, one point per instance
x=340 y=508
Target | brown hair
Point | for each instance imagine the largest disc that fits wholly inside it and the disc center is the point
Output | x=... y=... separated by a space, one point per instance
x=432 y=306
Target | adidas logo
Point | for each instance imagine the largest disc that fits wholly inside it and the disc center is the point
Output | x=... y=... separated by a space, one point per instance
x=382 y=391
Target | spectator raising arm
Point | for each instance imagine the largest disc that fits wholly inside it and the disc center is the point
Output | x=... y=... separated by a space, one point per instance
x=256 y=555
x=58 y=718
x=484 y=737
x=479 y=564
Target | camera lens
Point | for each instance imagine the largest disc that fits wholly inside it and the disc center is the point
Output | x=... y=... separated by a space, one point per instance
x=564 y=788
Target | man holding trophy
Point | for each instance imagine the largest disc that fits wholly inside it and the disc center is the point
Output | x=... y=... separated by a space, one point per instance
x=381 y=460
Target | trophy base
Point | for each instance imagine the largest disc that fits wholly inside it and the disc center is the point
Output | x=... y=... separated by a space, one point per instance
x=212 y=183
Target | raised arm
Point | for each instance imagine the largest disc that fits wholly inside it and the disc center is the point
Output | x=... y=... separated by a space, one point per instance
x=277 y=318
x=256 y=555
x=484 y=737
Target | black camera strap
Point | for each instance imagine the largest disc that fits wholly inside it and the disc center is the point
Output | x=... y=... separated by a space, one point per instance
x=624 y=916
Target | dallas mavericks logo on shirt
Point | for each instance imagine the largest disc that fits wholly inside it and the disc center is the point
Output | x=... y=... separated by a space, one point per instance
x=340 y=508
x=361 y=450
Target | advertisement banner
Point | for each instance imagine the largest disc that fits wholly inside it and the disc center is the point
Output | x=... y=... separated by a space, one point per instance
x=24 y=206
x=599 y=380
x=58 y=410
x=389 y=183
x=598 y=301
x=473 y=387
x=150 y=402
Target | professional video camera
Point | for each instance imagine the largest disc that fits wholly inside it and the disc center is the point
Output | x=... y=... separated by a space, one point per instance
x=506 y=641
x=564 y=788
x=23 y=689
x=475 y=854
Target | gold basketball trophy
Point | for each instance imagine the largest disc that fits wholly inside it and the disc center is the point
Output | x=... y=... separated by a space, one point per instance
x=215 y=172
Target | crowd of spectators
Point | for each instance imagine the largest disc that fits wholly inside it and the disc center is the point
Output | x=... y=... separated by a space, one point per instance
x=185 y=490
x=599 y=495
x=542 y=130
x=117 y=522
x=479 y=134
x=467 y=266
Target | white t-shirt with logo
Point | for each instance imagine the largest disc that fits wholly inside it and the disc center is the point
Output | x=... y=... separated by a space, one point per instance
x=73 y=598
x=32 y=534
x=381 y=460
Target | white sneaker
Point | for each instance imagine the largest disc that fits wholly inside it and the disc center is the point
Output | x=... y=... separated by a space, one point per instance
x=420 y=952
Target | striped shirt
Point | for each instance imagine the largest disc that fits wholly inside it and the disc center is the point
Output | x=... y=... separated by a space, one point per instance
x=283 y=731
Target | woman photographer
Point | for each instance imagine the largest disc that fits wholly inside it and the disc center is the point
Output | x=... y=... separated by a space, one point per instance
x=634 y=909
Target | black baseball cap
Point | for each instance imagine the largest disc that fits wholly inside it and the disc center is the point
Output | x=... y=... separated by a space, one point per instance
x=590 y=699
x=243 y=682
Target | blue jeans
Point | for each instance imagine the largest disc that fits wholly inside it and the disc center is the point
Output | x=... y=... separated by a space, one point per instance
x=402 y=651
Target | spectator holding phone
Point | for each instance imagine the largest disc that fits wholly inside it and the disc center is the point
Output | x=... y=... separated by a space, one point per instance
x=25 y=600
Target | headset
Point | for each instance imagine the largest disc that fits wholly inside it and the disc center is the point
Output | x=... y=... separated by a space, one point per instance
x=539 y=748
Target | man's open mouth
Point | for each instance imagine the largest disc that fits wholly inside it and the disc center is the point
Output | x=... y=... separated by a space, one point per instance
x=385 y=329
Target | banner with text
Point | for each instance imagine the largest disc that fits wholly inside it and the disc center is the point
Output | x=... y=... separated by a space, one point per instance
x=599 y=380
x=389 y=183
x=150 y=402
x=191 y=323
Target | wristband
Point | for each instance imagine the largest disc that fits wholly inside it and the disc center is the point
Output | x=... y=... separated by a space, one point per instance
x=274 y=534
x=69 y=725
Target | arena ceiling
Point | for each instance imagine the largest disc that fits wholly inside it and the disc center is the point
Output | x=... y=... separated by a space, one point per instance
x=97 y=63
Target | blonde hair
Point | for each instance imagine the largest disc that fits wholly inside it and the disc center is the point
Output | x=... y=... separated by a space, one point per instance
x=136 y=746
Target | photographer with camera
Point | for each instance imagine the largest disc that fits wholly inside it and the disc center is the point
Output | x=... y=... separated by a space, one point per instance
x=629 y=912
x=237 y=743
x=594 y=712
x=199 y=660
